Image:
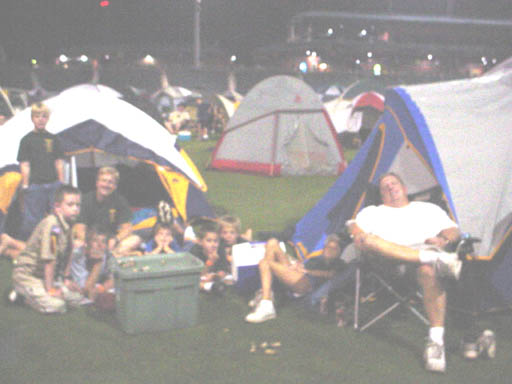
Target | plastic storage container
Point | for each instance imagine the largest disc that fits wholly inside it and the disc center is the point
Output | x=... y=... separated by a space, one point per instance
x=157 y=292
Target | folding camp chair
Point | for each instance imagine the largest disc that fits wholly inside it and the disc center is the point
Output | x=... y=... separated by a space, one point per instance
x=393 y=283
x=386 y=280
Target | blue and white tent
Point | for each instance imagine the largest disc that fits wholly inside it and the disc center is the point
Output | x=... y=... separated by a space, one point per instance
x=97 y=127
x=452 y=138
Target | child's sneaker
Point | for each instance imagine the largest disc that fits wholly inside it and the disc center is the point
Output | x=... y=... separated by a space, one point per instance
x=263 y=312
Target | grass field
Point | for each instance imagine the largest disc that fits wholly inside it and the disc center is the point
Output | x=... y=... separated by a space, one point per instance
x=85 y=346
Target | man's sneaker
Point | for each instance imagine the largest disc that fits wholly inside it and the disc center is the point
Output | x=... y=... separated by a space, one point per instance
x=448 y=265
x=434 y=357
x=263 y=312
x=484 y=346
x=470 y=351
x=487 y=342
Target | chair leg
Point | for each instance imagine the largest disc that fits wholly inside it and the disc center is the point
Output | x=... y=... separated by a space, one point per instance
x=401 y=300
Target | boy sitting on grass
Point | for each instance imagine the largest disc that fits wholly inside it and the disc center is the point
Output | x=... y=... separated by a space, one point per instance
x=300 y=278
x=230 y=234
x=207 y=250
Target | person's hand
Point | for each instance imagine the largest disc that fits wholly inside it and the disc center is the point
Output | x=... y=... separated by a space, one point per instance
x=437 y=241
x=167 y=249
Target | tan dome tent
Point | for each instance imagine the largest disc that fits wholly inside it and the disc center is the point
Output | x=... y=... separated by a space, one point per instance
x=280 y=128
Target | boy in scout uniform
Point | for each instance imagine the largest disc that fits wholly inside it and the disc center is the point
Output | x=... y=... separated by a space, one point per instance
x=39 y=275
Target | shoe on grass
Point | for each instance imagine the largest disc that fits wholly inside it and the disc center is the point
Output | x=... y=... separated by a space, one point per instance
x=484 y=346
x=263 y=312
x=434 y=356
x=12 y=297
x=448 y=265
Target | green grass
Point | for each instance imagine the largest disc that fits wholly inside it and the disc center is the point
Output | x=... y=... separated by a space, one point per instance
x=84 y=346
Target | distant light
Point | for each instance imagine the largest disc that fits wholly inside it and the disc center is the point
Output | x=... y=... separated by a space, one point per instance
x=330 y=32
x=308 y=52
x=63 y=58
x=484 y=60
x=65 y=65
x=377 y=69
x=233 y=58
x=369 y=54
x=363 y=33
x=104 y=3
x=148 y=60
x=494 y=60
x=358 y=61
x=33 y=61
x=322 y=66
x=107 y=57
x=83 y=58
x=303 y=67
x=314 y=54
x=430 y=57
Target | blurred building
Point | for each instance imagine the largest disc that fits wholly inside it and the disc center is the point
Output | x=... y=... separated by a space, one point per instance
x=432 y=47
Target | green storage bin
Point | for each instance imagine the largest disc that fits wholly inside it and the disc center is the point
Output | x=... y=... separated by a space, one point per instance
x=157 y=292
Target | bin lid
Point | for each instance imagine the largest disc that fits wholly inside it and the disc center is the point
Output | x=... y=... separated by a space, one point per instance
x=147 y=266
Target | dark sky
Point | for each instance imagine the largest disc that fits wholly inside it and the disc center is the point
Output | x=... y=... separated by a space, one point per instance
x=34 y=27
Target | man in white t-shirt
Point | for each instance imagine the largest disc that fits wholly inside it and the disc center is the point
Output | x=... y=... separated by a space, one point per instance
x=415 y=232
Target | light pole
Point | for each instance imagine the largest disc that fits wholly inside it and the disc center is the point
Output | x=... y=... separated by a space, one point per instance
x=197 y=34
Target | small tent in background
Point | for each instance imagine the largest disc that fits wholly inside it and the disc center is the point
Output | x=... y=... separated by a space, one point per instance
x=455 y=147
x=97 y=128
x=353 y=119
x=362 y=86
x=280 y=128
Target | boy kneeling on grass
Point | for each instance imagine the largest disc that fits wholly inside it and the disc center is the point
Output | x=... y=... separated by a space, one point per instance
x=39 y=275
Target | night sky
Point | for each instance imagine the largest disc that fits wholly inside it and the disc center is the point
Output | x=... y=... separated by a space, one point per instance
x=37 y=27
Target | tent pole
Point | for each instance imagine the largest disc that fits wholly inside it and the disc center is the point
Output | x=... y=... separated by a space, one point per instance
x=73 y=172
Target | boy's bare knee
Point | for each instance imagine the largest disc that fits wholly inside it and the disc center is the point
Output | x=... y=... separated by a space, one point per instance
x=272 y=244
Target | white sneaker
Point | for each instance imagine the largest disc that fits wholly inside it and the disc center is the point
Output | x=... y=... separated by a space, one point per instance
x=484 y=346
x=448 y=265
x=263 y=312
x=434 y=357
x=487 y=343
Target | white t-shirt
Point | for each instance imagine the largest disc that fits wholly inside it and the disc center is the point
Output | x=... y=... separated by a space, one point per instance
x=410 y=225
